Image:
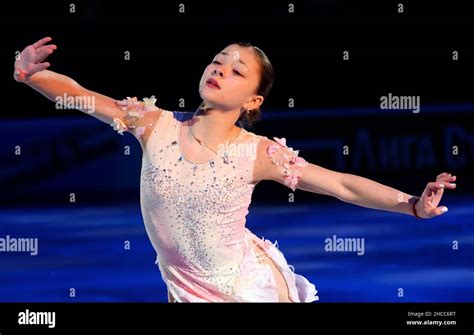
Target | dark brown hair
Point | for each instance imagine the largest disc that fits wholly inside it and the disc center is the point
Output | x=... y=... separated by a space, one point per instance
x=264 y=85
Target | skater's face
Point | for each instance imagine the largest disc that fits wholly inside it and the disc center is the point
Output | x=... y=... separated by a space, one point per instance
x=237 y=72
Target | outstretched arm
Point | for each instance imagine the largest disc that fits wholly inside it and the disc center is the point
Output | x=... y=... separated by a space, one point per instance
x=371 y=194
x=275 y=161
x=30 y=69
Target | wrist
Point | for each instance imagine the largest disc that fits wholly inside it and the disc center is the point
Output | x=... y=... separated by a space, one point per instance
x=416 y=212
x=20 y=75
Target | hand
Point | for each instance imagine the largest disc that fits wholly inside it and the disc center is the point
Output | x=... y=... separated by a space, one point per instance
x=427 y=206
x=29 y=61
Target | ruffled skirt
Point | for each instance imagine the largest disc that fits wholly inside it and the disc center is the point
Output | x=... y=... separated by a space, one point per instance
x=251 y=280
x=257 y=282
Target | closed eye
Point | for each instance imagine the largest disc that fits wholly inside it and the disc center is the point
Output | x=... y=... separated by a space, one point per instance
x=217 y=62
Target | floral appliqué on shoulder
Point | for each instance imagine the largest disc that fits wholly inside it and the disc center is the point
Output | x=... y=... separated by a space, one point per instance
x=135 y=110
x=287 y=158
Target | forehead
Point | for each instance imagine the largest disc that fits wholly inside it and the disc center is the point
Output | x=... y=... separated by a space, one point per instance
x=245 y=54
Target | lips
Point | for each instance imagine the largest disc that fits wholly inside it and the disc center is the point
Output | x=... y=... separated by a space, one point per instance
x=213 y=82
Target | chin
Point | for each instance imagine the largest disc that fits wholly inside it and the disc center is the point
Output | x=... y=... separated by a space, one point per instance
x=209 y=100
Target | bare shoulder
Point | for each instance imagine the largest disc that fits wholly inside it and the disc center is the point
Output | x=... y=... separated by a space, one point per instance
x=262 y=161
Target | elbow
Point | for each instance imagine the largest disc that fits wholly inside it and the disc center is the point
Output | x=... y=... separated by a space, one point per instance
x=346 y=193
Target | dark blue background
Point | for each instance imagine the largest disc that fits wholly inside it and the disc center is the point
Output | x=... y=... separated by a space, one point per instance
x=336 y=104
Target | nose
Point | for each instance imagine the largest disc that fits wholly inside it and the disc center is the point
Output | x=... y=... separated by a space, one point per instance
x=220 y=71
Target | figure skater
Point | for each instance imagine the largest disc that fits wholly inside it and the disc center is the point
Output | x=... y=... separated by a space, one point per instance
x=199 y=171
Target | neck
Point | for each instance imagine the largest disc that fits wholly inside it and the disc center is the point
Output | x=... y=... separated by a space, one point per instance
x=214 y=126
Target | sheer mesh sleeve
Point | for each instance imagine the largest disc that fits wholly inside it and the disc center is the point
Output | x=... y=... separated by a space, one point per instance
x=287 y=161
x=137 y=117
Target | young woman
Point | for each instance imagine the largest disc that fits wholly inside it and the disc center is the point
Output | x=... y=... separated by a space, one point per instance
x=199 y=171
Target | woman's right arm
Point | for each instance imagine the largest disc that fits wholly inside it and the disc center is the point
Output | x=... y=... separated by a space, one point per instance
x=31 y=70
x=52 y=85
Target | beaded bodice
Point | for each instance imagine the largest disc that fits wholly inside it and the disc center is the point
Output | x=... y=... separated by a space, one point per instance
x=195 y=213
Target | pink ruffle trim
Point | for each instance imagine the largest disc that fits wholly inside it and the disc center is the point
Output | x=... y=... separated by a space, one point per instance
x=135 y=110
x=288 y=159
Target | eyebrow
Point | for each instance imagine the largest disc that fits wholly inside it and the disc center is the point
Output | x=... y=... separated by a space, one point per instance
x=226 y=54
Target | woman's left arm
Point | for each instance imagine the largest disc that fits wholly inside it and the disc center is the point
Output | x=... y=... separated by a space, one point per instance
x=276 y=161
x=368 y=193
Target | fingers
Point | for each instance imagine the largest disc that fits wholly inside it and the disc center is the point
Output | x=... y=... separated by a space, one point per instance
x=445 y=177
x=41 y=42
x=444 y=174
x=447 y=184
x=44 y=52
x=443 y=180
x=435 y=186
x=40 y=67
x=439 y=210
x=447 y=180
x=51 y=46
